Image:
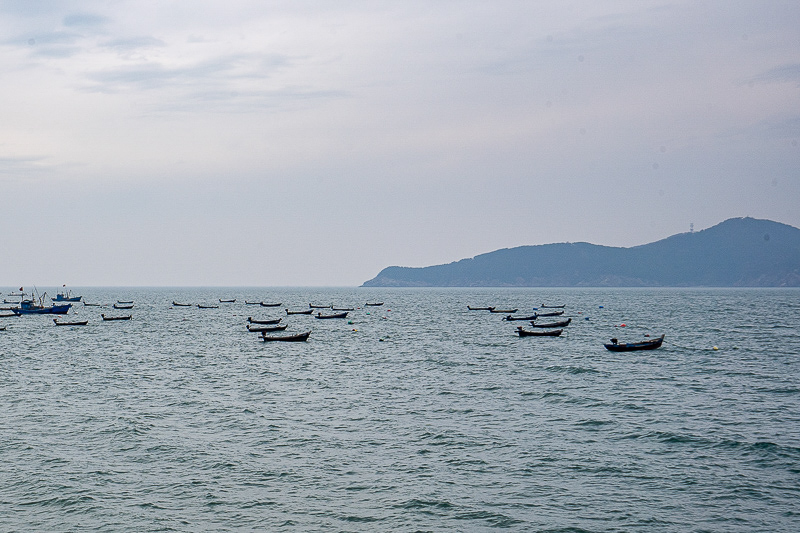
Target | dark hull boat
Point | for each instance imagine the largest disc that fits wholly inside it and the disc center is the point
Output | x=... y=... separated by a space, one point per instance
x=124 y=301
x=493 y=310
x=306 y=312
x=550 y=333
x=226 y=301
x=635 y=346
x=110 y=318
x=200 y=306
x=271 y=305
x=75 y=323
x=551 y=313
x=337 y=315
x=301 y=337
x=512 y=317
x=544 y=306
x=251 y=303
x=29 y=308
x=91 y=305
x=270 y=321
x=373 y=304
x=560 y=324
x=66 y=297
x=343 y=309
x=312 y=306
x=479 y=308
x=123 y=306
x=262 y=329
x=176 y=304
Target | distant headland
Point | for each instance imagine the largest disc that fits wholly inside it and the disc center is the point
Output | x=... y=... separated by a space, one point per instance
x=739 y=252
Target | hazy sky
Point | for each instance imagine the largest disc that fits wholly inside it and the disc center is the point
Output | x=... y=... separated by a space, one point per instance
x=315 y=143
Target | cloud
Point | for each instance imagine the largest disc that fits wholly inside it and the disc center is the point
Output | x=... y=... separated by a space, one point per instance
x=89 y=20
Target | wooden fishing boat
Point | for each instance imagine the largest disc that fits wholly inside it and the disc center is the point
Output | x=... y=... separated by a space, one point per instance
x=512 y=317
x=343 y=309
x=227 y=301
x=544 y=306
x=87 y=304
x=651 y=344
x=251 y=303
x=559 y=324
x=493 y=310
x=262 y=329
x=312 y=306
x=123 y=306
x=124 y=301
x=301 y=337
x=74 y=323
x=373 y=304
x=2 y=328
x=479 y=308
x=201 y=306
x=306 y=312
x=336 y=315
x=110 y=318
x=551 y=333
x=551 y=313
x=271 y=304
x=176 y=304
x=270 y=321
x=8 y=315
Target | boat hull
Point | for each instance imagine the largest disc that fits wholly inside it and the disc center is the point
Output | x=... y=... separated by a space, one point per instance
x=635 y=346
x=52 y=310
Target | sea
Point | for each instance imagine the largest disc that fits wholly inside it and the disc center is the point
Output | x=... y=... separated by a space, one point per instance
x=415 y=415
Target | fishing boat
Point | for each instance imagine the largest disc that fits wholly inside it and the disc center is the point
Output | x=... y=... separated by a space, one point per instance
x=264 y=304
x=251 y=303
x=262 y=329
x=479 y=308
x=226 y=301
x=512 y=317
x=559 y=324
x=312 y=306
x=373 y=304
x=651 y=344
x=8 y=315
x=336 y=315
x=123 y=306
x=343 y=309
x=124 y=301
x=6 y=301
x=201 y=306
x=306 y=312
x=176 y=304
x=300 y=337
x=30 y=307
x=110 y=318
x=270 y=321
x=66 y=296
x=2 y=328
x=509 y=311
x=526 y=333
x=545 y=306
x=551 y=313
x=91 y=305
x=75 y=323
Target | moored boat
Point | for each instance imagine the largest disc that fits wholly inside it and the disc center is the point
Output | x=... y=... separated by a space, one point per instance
x=559 y=324
x=201 y=306
x=512 y=317
x=66 y=297
x=651 y=344
x=73 y=323
x=268 y=321
x=550 y=333
x=262 y=329
x=227 y=301
x=312 y=306
x=122 y=306
x=29 y=307
x=545 y=306
x=507 y=311
x=479 y=308
x=335 y=315
x=176 y=304
x=373 y=304
x=264 y=304
x=110 y=318
x=305 y=312
x=251 y=303
x=551 y=313
x=300 y=337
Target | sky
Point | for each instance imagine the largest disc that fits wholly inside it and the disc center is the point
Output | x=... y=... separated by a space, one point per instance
x=271 y=143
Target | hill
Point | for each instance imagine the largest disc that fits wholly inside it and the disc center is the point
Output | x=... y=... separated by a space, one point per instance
x=739 y=252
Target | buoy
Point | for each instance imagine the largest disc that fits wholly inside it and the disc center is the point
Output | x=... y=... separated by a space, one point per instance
x=349 y=321
x=586 y=318
x=601 y=307
x=715 y=348
x=622 y=325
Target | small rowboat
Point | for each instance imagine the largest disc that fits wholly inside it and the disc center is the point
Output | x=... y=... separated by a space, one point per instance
x=262 y=329
x=634 y=346
x=8 y=315
x=201 y=306
x=270 y=321
x=306 y=312
x=560 y=324
x=110 y=318
x=337 y=315
x=562 y=306
x=226 y=301
x=508 y=311
x=551 y=313
x=123 y=306
x=86 y=304
x=124 y=301
x=75 y=323
x=271 y=305
x=479 y=308
x=251 y=303
x=550 y=333
x=343 y=309
x=312 y=306
x=176 y=304
x=511 y=317
x=373 y=304
x=301 y=337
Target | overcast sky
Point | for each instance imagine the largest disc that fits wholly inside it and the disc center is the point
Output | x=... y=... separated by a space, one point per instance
x=315 y=143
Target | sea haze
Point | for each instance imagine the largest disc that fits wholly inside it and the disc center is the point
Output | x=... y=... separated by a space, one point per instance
x=418 y=415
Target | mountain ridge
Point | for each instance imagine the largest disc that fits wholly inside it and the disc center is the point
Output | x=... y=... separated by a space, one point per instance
x=738 y=252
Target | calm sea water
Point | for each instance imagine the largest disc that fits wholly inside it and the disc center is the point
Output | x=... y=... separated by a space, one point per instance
x=415 y=416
